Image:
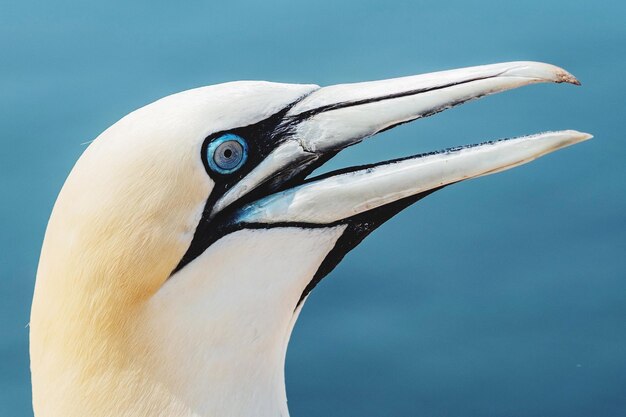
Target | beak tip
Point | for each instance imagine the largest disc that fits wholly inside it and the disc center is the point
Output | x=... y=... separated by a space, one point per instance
x=539 y=71
x=575 y=136
x=565 y=77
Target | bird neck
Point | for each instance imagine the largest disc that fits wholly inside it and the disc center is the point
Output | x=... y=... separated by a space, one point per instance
x=219 y=328
x=215 y=377
x=211 y=341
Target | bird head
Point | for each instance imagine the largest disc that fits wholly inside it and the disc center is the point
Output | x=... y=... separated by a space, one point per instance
x=187 y=236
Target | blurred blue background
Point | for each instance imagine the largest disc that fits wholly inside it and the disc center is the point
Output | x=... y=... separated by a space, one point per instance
x=503 y=296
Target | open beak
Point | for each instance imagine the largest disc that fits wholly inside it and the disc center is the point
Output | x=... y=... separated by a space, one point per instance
x=333 y=118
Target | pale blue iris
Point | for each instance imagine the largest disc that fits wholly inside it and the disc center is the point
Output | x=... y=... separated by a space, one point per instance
x=227 y=153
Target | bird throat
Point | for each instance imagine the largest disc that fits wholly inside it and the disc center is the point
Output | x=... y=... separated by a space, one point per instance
x=218 y=330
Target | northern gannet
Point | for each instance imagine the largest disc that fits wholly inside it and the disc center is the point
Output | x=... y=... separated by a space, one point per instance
x=188 y=235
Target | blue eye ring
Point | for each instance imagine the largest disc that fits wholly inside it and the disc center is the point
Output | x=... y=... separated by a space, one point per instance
x=227 y=153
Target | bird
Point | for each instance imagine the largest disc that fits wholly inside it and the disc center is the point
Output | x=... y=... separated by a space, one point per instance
x=189 y=234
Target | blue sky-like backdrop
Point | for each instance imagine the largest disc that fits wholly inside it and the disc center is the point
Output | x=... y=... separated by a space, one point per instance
x=502 y=296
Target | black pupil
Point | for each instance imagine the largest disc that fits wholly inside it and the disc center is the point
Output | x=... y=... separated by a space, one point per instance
x=228 y=153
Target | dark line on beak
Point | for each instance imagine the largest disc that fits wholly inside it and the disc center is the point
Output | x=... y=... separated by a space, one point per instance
x=313 y=112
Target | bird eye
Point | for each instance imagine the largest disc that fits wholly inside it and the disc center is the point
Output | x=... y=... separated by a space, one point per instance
x=227 y=153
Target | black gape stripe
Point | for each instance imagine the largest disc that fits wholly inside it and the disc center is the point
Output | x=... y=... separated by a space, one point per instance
x=358 y=228
x=261 y=138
